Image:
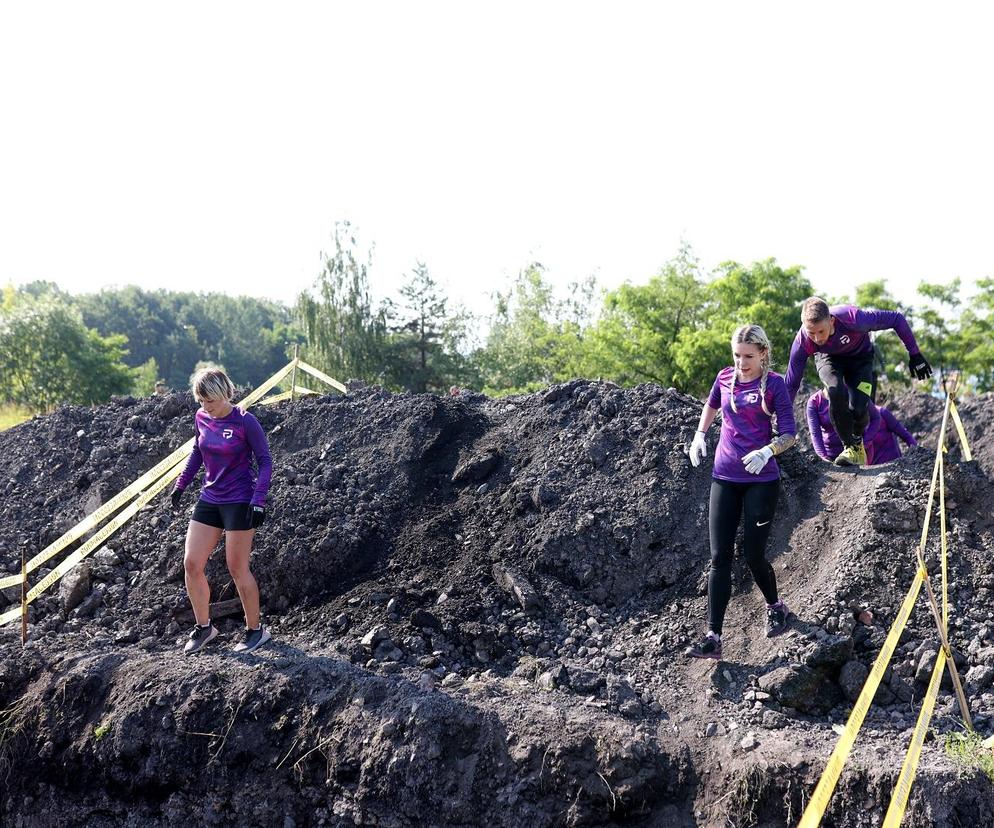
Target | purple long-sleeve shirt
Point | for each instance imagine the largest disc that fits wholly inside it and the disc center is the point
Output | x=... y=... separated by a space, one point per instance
x=883 y=447
x=749 y=428
x=850 y=338
x=824 y=438
x=225 y=447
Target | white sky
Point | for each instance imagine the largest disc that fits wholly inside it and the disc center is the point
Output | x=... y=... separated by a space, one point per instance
x=212 y=146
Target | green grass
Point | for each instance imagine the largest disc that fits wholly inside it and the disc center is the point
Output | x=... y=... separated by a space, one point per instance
x=11 y=415
x=968 y=751
x=101 y=730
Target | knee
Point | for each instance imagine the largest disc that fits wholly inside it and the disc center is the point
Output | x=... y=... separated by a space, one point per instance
x=838 y=397
x=192 y=566
x=757 y=562
x=721 y=562
x=242 y=576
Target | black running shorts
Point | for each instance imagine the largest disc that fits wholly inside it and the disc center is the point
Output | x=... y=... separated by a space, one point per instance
x=231 y=516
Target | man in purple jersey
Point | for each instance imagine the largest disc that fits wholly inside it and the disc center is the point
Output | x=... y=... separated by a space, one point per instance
x=745 y=477
x=843 y=351
x=232 y=502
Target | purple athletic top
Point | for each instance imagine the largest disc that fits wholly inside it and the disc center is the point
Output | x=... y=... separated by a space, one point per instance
x=882 y=447
x=851 y=338
x=824 y=438
x=224 y=447
x=750 y=427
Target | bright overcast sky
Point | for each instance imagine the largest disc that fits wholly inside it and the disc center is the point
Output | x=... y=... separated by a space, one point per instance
x=212 y=146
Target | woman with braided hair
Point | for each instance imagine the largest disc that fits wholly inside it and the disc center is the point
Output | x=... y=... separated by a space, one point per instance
x=745 y=477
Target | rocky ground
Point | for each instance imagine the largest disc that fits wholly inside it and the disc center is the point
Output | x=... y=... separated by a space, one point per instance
x=479 y=608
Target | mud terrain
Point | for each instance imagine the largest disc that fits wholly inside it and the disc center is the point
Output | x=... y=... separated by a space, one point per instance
x=479 y=608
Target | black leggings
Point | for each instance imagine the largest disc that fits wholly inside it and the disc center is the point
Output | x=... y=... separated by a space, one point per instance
x=758 y=502
x=851 y=383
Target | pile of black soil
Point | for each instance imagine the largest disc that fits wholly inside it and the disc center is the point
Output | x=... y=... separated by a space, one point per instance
x=479 y=609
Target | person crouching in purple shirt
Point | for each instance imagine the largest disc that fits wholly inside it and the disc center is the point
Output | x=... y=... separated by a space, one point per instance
x=879 y=438
x=232 y=502
x=881 y=444
x=839 y=339
x=745 y=477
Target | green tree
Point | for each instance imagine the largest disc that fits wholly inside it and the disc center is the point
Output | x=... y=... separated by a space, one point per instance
x=144 y=377
x=634 y=339
x=892 y=363
x=977 y=332
x=533 y=338
x=765 y=294
x=937 y=327
x=423 y=346
x=346 y=334
x=48 y=356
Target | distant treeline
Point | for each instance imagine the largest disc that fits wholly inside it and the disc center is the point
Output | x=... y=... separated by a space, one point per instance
x=672 y=329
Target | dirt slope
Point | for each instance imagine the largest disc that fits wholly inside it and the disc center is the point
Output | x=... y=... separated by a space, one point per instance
x=407 y=686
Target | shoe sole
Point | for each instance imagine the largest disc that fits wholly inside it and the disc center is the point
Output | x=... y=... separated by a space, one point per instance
x=266 y=638
x=203 y=643
x=704 y=656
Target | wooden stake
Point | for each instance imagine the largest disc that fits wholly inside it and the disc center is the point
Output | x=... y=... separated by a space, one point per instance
x=293 y=375
x=24 y=598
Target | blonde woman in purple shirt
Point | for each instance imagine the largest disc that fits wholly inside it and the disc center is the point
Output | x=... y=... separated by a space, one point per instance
x=232 y=501
x=745 y=478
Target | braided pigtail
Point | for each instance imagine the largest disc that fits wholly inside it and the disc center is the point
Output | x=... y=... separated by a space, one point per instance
x=762 y=383
x=731 y=395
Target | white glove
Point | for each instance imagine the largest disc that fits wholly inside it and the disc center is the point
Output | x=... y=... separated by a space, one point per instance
x=755 y=460
x=698 y=449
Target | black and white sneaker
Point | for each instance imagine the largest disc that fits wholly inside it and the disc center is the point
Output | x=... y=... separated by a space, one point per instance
x=778 y=617
x=253 y=640
x=710 y=647
x=199 y=637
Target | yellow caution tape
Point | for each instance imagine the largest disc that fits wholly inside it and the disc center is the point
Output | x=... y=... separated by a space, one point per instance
x=314 y=372
x=97 y=540
x=263 y=389
x=826 y=785
x=935 y=474
x=299 y=390
x=943 y=546
x=100 y=514
x=967 y=454
x=283 y=395
x=899 y=799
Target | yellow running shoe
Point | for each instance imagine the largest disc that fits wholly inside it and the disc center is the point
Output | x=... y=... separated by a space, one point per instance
x=854 y=455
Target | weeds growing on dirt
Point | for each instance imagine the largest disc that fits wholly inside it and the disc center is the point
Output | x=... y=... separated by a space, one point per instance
x=968 y=752
x=12 y=724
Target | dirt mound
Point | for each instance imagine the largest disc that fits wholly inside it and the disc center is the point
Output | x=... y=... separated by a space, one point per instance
x=478 y=608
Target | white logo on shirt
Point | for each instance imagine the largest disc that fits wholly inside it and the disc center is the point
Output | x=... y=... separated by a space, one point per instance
x=227 y=433
x=844 y=339
x=751 y=397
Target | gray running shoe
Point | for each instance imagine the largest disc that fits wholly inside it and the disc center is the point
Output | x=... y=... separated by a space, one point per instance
x=199 y=637
x=253 y=639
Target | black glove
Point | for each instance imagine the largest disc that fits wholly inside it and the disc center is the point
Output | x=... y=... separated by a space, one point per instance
x=175 y=498
x=920 y=369
x=255 y=516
